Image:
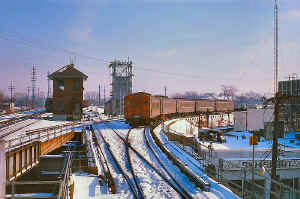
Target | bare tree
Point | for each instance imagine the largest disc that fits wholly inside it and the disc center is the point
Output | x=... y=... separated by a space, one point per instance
x=208 y=95
x=196 y=95
x=228 y=92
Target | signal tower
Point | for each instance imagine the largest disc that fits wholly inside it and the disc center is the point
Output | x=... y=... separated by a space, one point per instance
x=121 y=72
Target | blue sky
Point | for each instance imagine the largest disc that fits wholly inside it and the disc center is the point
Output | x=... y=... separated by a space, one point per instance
x=202 y=44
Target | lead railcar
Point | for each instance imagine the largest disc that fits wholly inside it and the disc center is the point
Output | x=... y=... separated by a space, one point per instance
x=141 y=108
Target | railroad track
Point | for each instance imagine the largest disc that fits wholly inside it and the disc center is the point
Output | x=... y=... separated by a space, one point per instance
x=103 y=162
x=165 y=178
x=188 y=195
x=17 y=127
x=121 y=169
x=186 y=168
x=142 y=195
x=16 y=120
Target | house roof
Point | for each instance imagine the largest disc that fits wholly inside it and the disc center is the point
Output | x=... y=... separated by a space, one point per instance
x=68 y=71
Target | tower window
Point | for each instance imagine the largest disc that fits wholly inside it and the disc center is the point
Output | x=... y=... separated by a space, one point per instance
x=76 y=85
x=61 y=85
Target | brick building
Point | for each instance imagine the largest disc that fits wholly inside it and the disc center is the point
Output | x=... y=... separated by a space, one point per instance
x=68 y=88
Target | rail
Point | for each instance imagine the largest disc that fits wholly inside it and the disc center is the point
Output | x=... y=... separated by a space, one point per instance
x=128 y=146
x=134 y=175
x=184 y=191
x=99 y=154
x=15 y=120
x=64 y=190
x=130 y=184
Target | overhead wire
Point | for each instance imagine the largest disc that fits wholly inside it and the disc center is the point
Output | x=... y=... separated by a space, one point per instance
x=103 y=60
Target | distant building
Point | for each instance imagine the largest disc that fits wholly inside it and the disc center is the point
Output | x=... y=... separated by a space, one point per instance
x=252 y=119
x=68 y=88
x=290 y=111
x=7 y=107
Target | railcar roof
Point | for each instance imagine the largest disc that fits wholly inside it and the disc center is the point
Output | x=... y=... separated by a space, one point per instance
x=141 y=93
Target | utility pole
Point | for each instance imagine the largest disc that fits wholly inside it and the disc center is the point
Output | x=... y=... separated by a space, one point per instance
x=11 y=88
x=165 y=91
x=33 y=80
x=28 y=93
x=276 y=101
x=253 y=162
x=38 y=96
x=104 y=95
x=99 y=95
x=275 y=47
x=119 y=102
x=49 y=89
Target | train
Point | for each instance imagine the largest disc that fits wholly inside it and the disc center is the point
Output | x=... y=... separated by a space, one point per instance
x=142 y=108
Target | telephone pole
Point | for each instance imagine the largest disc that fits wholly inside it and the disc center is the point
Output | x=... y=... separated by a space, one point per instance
x=99 y=95
x=104 y=95
x=49 y=89
x=33 y=80
x=28 y=93
x=275 y=47
x=276 y=100
x=11 y=88
x=275 y=143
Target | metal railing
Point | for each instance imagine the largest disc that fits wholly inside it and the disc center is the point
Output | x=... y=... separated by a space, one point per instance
x=64 y=190
x=41 y=134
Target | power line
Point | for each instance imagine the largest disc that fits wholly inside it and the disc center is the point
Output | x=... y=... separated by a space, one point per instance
x=103 y=60
x=26 y=43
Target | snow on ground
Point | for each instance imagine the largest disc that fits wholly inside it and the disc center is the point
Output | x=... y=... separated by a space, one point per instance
x=217 y=190
x=235 y=140
x=152 y=184
x=92 y=152
x=31 y=195
x=121 y=184
x=179 y=176
x=14 y=115
x=87 y=186
x=183 y=127
x=35 y=124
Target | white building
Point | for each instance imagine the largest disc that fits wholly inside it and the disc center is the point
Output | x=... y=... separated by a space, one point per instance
x=252 y=119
